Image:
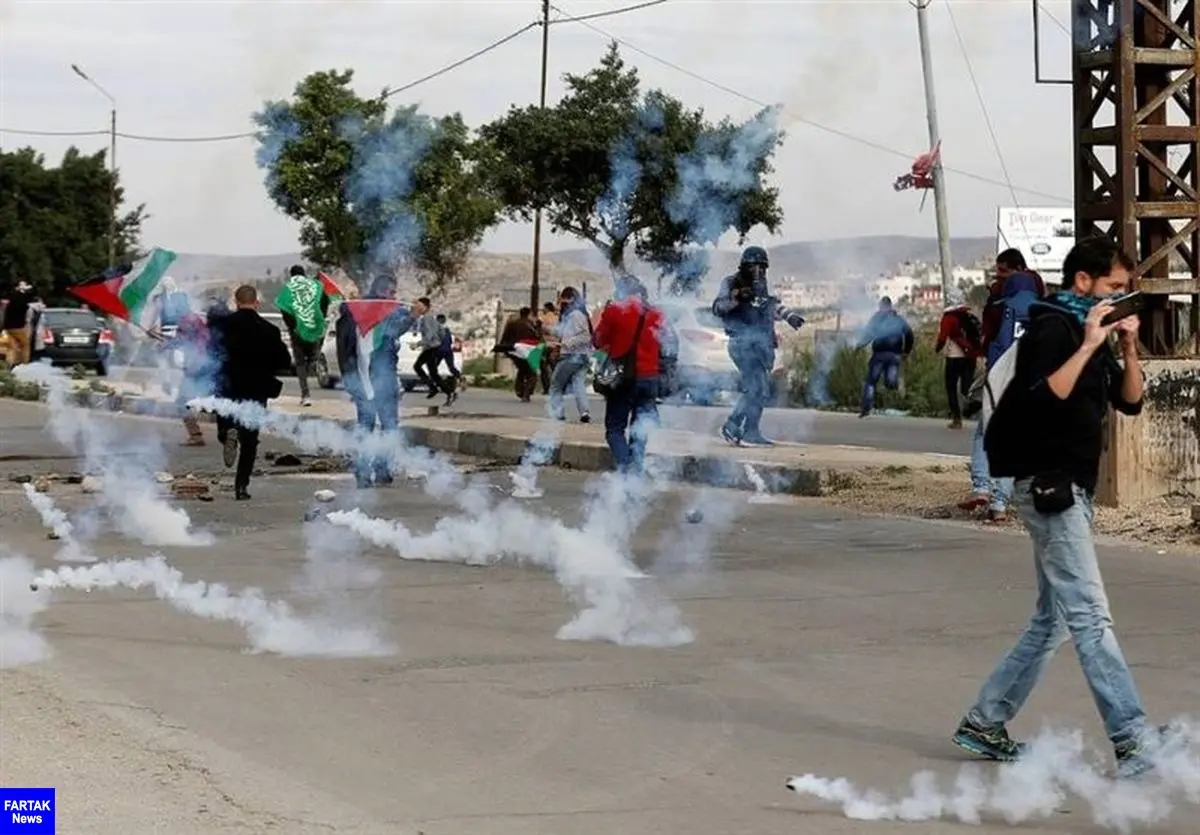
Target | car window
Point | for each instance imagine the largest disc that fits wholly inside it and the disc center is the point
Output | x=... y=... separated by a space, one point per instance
x=71 y=319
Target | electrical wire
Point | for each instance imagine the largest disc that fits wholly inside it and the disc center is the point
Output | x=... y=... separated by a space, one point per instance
x=878 y=146
x=609 y=13
x=251 y=134
x=1054 y=19
x=987 y=117
x=388 y=92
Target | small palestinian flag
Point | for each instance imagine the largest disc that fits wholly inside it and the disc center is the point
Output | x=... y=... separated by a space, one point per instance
x=131 y=291
x=331 y=288
x=531 y=352
x=368 y=316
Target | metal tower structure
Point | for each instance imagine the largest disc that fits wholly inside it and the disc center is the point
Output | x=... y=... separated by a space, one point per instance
x=1136 y=82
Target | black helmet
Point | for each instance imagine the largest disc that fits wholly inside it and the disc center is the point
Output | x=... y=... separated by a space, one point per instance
x=754 y=256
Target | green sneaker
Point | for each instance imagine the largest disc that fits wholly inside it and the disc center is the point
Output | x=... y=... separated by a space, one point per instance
x=993 y=744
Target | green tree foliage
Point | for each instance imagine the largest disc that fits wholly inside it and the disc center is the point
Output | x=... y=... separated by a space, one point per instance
x=54 y=222
x=633 y=171
x=373 y=191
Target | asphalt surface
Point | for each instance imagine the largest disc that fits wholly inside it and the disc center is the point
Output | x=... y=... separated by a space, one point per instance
x=824 y=641
x=895 y=433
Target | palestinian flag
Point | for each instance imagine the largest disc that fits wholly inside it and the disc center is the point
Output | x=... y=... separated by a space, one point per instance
x=132 y=292
x=368 y=315
x=331 y=288
x=531 y=352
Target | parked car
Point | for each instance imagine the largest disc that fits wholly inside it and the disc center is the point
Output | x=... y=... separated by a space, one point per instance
x=329 y=373
x=705 y=372
x=276 y=319
x=73 y=336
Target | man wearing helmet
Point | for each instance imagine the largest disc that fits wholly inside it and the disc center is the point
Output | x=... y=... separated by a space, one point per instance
x=749 y=312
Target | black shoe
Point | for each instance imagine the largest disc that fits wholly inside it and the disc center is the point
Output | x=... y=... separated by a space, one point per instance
x=240 y=494
x=727 y=434
x=229 y=448
x=432 y=394
x=757 y=440
x=384 y=479
x=451 y=397
x=585 y=418
x=993 y=744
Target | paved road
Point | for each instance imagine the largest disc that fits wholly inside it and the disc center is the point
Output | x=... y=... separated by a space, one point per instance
x=900 y=434
x=825 y=642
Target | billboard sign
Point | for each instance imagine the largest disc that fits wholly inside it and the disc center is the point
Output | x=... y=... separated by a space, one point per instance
x=1043 y=235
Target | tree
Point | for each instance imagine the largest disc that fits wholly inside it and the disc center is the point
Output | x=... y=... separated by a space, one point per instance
x=636 y=172
x=371 y=191
x=54 y=222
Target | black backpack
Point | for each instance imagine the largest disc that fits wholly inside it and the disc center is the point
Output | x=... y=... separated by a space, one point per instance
x=972 y=328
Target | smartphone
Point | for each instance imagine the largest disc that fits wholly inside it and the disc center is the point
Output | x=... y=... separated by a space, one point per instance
x=1123 y=307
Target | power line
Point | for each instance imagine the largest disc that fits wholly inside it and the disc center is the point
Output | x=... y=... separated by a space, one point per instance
x=251 y=134
x=811 y=123
x=987 y=118
x=610 y=13
x=388 y=92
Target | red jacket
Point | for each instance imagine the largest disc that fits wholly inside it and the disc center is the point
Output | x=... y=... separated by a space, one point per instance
x=951 y=330
x=614 y=334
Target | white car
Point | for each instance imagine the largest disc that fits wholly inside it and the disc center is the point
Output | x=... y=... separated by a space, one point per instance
x=705 y=370
x=329 y=373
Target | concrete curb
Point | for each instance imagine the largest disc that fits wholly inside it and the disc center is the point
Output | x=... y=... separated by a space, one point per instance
x=710 y=470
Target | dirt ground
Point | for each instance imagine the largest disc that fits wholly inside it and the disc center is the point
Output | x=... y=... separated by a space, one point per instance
x=934 y=493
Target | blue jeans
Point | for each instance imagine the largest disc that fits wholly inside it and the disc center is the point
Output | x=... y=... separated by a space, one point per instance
x=754 y=360
x=982 y=484
x=1071 y=602
x=570 y=373
x=632 y=410
x=383 y=411
x=885 y=364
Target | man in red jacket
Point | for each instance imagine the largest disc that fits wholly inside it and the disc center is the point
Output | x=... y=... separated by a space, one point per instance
x=960 y=341
x=632 y=324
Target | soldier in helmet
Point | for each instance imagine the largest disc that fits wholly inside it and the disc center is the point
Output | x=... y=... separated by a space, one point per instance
x=749 y=313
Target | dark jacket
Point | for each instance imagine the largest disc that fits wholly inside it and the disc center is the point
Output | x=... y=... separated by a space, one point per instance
x=746 y=319
x=16 y=312
x=887 y=332
x=252 y=353
x=1033 y=431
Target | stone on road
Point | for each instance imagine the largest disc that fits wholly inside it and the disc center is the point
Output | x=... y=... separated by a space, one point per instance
x=828 y=642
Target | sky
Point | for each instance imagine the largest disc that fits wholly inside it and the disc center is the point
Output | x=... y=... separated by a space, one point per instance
x=188 y=69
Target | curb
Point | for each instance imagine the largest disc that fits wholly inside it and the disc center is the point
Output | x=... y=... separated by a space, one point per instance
x=708 y=470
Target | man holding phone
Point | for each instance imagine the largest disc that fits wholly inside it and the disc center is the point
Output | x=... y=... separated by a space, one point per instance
x=1067 y=376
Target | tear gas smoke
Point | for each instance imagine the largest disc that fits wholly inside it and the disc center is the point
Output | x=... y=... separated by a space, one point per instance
x=685 y=550
x=614 y=600
x=442 y=480
x=342 y=585
x=1055 y=769
x=715 y=178
x=129 y=492
x=539 y=451
x=58 y=523
x=19 y=604
x=271 y=625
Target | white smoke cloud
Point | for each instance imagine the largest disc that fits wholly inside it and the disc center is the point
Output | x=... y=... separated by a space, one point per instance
x=125 y=467
x=1055 y=769
x=59 y=525
x=271 y=625
x=19 y=605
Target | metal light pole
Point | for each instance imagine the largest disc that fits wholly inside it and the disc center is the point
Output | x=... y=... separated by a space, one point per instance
x=112 y=164
x=939 y=176
x=537 y=215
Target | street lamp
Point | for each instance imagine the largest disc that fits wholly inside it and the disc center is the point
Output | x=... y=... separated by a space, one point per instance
x=112 y=163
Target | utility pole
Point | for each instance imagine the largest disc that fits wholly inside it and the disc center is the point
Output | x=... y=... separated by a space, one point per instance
x=939 y=175
x=537 y=215
x=112 y=164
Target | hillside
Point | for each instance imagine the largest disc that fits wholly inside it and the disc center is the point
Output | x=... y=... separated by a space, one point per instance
x=494 y=275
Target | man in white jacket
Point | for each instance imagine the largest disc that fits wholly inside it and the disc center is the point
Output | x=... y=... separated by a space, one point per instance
x=575 y=341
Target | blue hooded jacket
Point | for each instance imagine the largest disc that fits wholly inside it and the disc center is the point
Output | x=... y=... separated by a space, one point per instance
x=1019 y=293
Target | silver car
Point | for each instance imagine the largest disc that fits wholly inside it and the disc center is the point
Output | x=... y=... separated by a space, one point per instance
x=329 y=373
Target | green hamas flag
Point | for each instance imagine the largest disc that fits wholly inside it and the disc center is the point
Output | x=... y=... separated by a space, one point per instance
x=300 y=298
